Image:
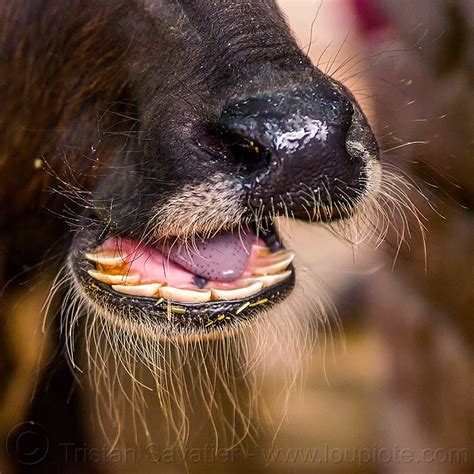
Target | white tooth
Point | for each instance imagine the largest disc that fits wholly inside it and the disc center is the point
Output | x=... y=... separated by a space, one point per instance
x=238 y=293
x=182 y=295
x=149 y=290
x=128 y=279
x=107 y=257
x=267 y=280
x=276 y=267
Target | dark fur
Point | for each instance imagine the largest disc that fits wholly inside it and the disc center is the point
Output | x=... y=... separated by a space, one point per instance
x=117 y=98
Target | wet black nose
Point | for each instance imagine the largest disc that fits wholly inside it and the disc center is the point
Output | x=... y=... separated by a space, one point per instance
x=297 y=146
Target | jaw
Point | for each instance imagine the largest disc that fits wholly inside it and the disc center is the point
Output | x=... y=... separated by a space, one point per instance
x=151 y=310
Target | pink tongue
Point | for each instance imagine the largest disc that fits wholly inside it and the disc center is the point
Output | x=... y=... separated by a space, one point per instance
x=221 y=258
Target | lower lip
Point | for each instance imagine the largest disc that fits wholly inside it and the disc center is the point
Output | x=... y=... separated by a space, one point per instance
x=174 y=318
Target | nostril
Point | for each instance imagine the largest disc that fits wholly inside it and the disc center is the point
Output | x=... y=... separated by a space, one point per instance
x=249 y=154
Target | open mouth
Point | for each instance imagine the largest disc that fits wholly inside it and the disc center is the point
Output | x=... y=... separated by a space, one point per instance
x=201 y=286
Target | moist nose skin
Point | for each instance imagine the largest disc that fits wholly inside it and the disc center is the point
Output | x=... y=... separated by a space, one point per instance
x=223 y=257
x=307 y=134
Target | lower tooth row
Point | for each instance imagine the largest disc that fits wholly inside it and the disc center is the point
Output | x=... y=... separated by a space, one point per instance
x=270 y=271
x=184 y=295
x=180 y=295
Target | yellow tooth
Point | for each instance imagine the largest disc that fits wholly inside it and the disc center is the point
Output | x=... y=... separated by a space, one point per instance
x=107 y=257
x=128 y=279
x=274 y=257
x=182 y=295
x=237 y=293
x=276 y=266
x=278 y=254
x=261 y=250
x=149 y=290
x=267 y=280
